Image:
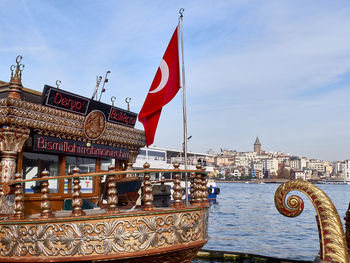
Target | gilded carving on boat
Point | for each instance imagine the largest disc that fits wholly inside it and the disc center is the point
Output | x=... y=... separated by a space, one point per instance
x=61 y=123
x=12 y=138
x=205 y=224
x=112 y=236
x=94 y=124
x=332 y=237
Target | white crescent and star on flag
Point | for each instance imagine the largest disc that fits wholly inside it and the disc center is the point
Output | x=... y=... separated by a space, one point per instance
x=164 y=70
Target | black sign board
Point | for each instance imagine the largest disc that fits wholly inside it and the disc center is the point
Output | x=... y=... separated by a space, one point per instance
x=70 y=147
x=114 y=114
x=64 y=100
x=67 y=101
x=117 y=115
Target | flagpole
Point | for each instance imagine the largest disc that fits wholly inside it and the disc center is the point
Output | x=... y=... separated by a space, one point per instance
x=103 y=86
x=184 y=104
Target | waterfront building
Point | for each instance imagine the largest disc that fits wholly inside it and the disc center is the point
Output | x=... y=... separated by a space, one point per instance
x=294 y=163
x=271 y=165
x=337 y=171
x=236 y=173
x=224 y=160
x=346 y=170
x=316 y=165
x=258 y=166
x=259 y=174
x=303 y=161
x=300 y=175
x=250 y=156
x=297 y=163
x=263 y=156
x=241 y=160
x=328 y=167
x=282 y=158
x=308 y=173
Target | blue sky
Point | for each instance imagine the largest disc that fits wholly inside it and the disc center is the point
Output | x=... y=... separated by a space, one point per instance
x=279 y=70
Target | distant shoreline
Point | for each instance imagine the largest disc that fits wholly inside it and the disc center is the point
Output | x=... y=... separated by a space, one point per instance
x=266 y=181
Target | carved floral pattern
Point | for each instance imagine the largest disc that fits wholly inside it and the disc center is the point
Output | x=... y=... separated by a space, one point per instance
x=8 y=169
x=112 y=236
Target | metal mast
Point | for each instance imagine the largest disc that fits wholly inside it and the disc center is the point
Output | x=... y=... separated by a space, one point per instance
x=184 y=103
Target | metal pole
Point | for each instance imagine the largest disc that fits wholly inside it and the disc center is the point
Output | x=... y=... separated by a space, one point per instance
x=184 y=104
x=103 y=86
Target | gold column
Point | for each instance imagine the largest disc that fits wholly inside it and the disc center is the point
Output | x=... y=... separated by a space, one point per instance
x=11 y=142
x=147 y=190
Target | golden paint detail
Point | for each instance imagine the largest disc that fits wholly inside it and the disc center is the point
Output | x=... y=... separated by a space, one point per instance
x=183 y=256
x=205 y=224
x=15 y=85
x=12 y=138
x=347 y=226
x=100 y=237
x=180 y=256
x=16 y=70
x=333 y=243
x=95 y=124
x=57 y=123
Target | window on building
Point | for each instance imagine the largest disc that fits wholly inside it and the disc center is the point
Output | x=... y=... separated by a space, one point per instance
x=105 y=163
x=142 y=154
x=86 y=165
x=34 y=164
x=156 y=155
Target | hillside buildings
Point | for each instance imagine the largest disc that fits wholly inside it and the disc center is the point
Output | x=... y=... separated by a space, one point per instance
x=256 y=164
x=261 y=164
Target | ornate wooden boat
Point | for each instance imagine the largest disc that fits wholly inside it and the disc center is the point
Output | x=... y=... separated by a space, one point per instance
x=56 y=150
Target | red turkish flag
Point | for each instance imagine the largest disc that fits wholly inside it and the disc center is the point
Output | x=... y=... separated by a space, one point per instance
x=165 y=85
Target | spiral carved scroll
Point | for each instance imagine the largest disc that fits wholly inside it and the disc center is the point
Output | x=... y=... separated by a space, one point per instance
x=333 y=242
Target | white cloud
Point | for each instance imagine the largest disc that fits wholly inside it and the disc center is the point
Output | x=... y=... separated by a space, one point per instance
x=269 y=68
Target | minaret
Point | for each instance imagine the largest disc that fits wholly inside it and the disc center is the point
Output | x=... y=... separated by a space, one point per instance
x=257 y=146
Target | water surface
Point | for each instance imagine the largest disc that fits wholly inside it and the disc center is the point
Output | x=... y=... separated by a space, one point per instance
x=245 y=219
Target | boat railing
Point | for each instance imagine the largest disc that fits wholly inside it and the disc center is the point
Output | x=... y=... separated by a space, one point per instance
x=198 y=191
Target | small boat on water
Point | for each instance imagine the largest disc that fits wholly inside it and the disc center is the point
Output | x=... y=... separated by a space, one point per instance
x=213 y=190
x=336 y=182
x=62 y=157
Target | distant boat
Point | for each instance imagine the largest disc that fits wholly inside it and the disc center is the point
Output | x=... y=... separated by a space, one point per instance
x=213 y=190
x=338 y=182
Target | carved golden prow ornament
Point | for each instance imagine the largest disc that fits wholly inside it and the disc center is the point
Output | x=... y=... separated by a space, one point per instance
x=333 y=246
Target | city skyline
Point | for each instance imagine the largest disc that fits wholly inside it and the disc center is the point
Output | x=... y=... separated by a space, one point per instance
x=277 y=70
